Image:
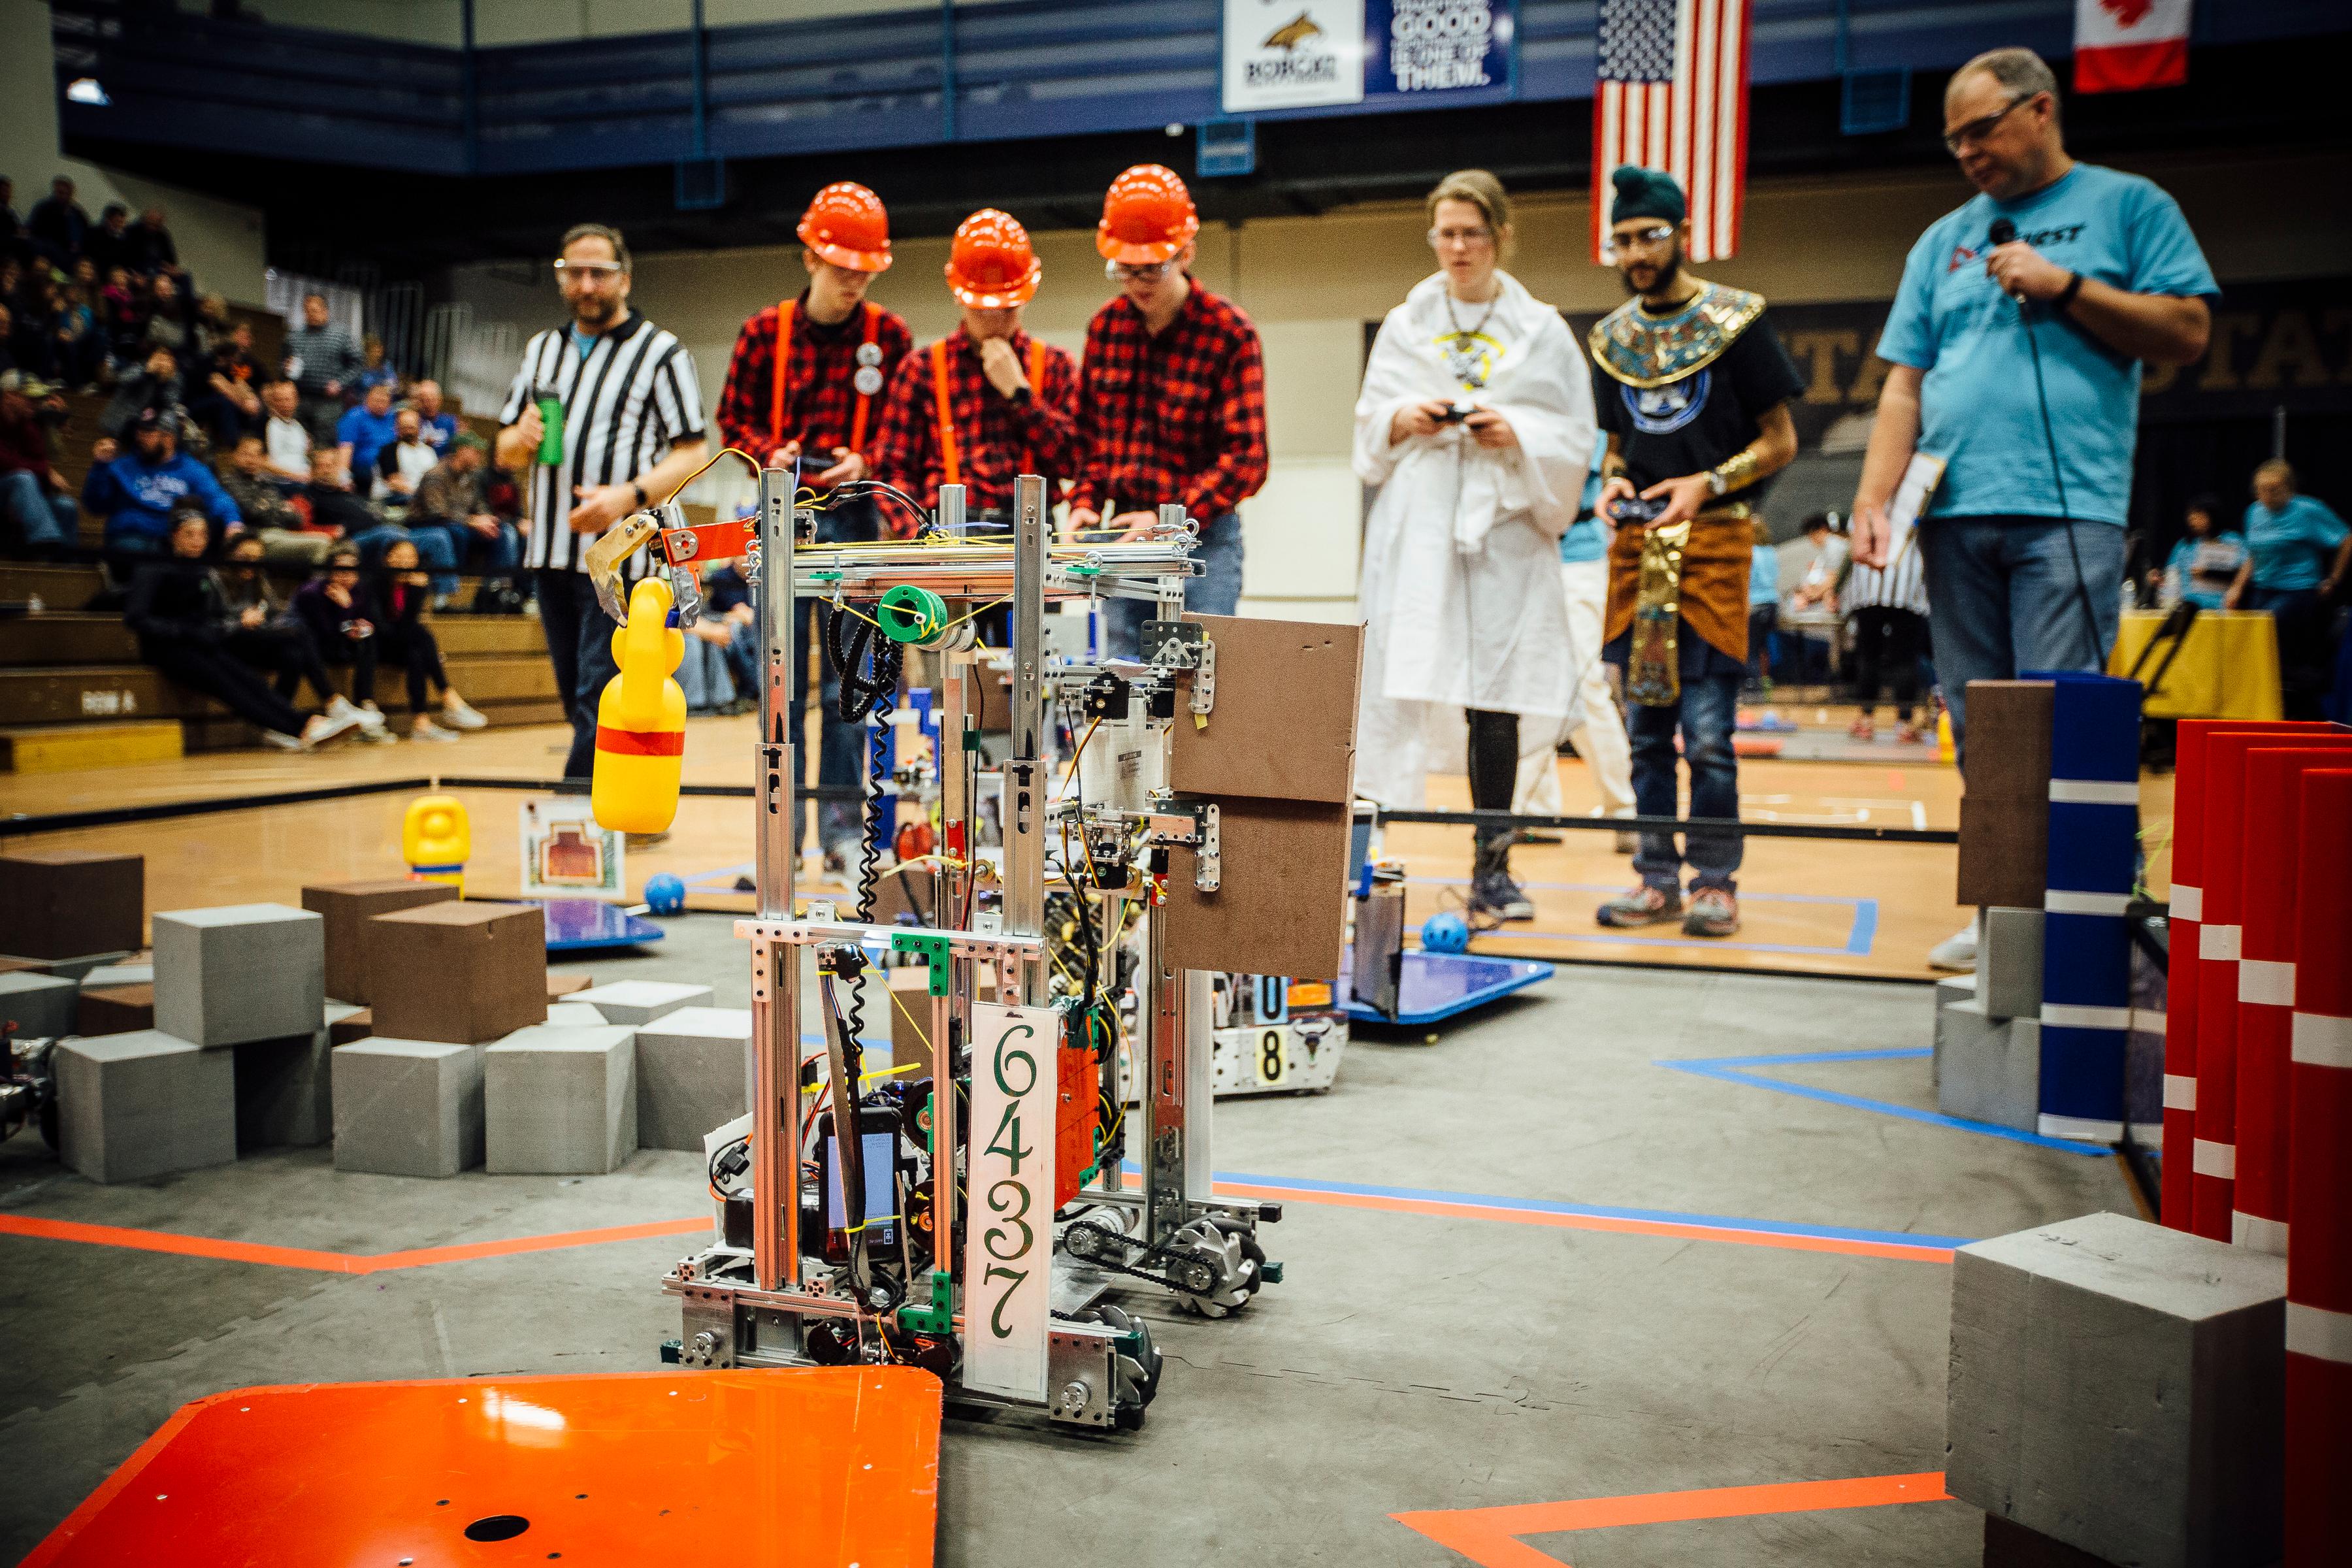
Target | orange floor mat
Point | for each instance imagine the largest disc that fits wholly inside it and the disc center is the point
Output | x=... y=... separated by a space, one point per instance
x=777 y=1469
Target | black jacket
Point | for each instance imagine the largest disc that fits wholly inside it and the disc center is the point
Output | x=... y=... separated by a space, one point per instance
x=176 y=601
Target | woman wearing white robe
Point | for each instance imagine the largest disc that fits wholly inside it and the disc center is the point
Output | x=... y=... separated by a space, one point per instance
x=1464 y=616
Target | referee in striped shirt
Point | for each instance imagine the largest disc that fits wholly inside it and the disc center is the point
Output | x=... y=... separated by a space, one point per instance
x=632 y=432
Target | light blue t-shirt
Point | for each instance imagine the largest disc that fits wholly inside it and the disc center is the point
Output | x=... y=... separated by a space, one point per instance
x=2203 y=569
x=2293 y=545
x=1583 y=542
x=1763 y=575
x=1977 y=405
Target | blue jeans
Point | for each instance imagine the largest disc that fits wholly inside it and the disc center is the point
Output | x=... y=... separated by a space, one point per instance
x=1217 y=592
x=498 y=554
x=580 y=646
x=2004 y=596
x=1705 y=713
x=43 y=518
x=434 y=551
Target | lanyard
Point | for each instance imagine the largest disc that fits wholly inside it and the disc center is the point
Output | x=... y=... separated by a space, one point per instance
x=951 y=470
x=873 y=315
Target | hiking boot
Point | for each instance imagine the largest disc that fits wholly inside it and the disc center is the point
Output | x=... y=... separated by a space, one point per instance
x=1644 y=906
x=1714 y=912
x=1494 y=894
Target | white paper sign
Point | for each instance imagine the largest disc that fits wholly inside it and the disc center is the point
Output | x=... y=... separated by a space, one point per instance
x=1009 y=1225
x=1291 y=54
x=566 y=854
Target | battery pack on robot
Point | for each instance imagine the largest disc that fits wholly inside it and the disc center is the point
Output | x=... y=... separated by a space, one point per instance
x=641 y=720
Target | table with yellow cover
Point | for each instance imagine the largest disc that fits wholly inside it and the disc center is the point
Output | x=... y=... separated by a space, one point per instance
x=2228 y=666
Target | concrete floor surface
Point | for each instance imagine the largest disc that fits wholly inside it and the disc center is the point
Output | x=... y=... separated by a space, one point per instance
x=1407 y=1362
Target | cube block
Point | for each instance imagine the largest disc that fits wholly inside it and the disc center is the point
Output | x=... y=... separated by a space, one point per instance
x=560 y=1102
x=284 y=1092
x=578 y=1015
x=694 y=1070
x=2008 y=962
x=115 y=1009
x=243 y=971
x=144 y=1104
x=1987 y=1070
x=141 y=973
x=464 y=972
x=60 y=903
x=39 y=1004
x=641 y=1001
x=347 y=907
x=2120 y=1387
x=407 y=1108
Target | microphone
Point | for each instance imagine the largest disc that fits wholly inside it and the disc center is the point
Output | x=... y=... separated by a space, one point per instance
x=2002 y=233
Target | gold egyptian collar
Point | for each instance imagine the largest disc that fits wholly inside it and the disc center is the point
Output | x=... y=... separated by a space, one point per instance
x=1646 y=351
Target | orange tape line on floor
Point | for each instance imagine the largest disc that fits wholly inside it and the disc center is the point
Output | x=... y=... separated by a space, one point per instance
x=331 y=1262
x=1488 y=1536
x=1597 y=1222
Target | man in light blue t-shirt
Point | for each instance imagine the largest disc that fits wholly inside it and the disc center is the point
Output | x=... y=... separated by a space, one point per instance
x=2017 y=337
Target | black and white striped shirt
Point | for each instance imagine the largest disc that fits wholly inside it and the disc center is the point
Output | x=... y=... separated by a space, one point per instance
x=1901 y=586
x=626 y=402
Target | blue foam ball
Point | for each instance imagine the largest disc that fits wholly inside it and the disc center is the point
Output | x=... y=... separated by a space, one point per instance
x=1445 y=932
x=665 y=894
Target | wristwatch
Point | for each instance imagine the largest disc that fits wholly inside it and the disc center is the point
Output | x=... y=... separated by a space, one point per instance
x=1715 y=483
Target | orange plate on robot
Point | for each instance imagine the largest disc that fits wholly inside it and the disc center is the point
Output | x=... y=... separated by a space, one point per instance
x=778 y=1468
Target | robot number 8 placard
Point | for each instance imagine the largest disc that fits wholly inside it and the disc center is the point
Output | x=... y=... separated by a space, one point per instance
x=1009 y=1238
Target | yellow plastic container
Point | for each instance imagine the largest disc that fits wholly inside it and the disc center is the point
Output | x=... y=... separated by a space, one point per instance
x=1945 y=751
x=436 y=839
x=641 y=720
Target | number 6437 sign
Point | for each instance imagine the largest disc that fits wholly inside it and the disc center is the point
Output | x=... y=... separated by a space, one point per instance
x=1009 y=1200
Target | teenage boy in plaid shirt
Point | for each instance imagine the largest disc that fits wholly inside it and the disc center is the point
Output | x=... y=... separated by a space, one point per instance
x=824 y=409
x=1011 y=400
x=1172 y=398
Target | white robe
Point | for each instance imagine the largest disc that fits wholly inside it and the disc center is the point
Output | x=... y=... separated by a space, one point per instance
x=1461 y=598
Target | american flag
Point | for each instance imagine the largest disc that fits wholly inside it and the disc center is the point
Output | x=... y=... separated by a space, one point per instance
x=1673 y=95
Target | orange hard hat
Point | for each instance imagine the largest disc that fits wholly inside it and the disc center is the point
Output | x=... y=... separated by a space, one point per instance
x=846 y=226
x=990 y=265
x=1148 y=216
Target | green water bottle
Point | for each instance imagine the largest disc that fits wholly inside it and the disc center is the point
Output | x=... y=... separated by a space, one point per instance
x=551 y=420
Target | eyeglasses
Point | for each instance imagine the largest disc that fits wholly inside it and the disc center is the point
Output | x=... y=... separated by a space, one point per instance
x=1143 y=272
x=597 y=271
x=1978 y=130
x=1439 y=238
x=1650 y=238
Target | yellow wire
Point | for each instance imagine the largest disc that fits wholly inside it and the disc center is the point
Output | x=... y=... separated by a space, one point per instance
x=724 y=453
x=1073 y=771
x=899 y=1003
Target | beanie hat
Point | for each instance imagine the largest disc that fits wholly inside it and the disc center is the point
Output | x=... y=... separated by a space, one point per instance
x=1646 y=192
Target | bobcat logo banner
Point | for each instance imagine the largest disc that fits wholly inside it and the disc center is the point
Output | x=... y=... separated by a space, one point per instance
x=1663 y=410
x=1293 y=53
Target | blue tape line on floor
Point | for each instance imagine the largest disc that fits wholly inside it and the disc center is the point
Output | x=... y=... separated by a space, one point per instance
x=1729 y=1069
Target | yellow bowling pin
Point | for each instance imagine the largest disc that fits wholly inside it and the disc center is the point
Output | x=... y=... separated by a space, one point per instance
x=641 y=720
x=436 y=840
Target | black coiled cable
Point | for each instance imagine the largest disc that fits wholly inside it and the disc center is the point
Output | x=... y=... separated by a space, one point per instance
x=869 y=664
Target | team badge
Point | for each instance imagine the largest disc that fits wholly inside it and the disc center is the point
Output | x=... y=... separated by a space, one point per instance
x=869 y=354
x=869 y=379
x=1663 y=410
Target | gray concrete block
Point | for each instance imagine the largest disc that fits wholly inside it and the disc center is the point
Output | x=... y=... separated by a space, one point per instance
x=38 y=1005
x=144 y=1104
x=339 y=1011
x=1987 y=1070
x=407 y=1108
x=560 y=1100
x=2120 y=1387
x=243 y=971
x=641 y=1001
x=693 y=1073
x=577 y=1015
x=1950 y=991
x=102 y=976
x=2009 y=962
x=284 y=1096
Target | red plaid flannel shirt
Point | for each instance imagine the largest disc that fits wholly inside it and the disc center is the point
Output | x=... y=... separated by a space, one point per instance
x=996 y=439
x=1179 y=416
x=819 y=400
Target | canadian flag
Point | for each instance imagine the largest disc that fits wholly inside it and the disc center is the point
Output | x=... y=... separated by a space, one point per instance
x=2122 y=46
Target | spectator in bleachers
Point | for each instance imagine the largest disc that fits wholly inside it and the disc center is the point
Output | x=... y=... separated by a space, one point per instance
x=260 y=631
x=171 y=316
x=334 y=505
x=176 y=611
x=403 y=461
x=149 y=246
x=439 y=426
x=155 y=385
x=360 y=624
x=137 y=491
x=227 y=398
x=321 y=359
x=450 y=499
x=285 y=533
x=80 y=345
x=122 y=317
x=365 y=429
x=57 y=225
x=105 y=245
x=377 y=371
x=8 y=360
x=35 y=503
x=215 y=323
x=284 y=437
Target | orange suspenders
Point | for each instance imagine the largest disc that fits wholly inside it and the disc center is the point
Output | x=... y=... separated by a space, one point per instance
x=951 y=470
x=783 y=382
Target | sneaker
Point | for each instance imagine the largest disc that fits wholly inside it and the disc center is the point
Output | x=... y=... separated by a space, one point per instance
x=426 y=730
x=1714 y=912
x=1865 y=728
x=1494 y=894
x=283 y=743
x=458 y=714
x=327 y=726
x=378 y=736
x=1957 y=953
x=371 y=718
x=1910 y=734
x=1644 y=906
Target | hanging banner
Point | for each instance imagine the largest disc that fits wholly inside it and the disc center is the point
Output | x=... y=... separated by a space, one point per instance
x=1458 y=50
x=1293 y=53
x=1384 y=54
